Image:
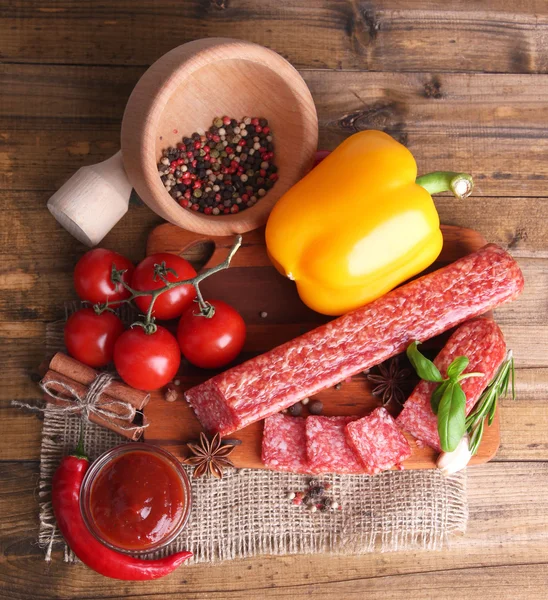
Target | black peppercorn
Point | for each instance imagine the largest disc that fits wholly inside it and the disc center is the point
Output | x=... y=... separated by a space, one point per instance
x=315 y=407
x=295 y=410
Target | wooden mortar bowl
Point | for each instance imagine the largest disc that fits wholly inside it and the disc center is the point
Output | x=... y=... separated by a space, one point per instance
x=179 y=94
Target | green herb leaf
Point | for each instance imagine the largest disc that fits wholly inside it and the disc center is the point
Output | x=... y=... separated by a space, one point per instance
x=436 y=396
x=425 y=368
x=451 y=416
x=457 y=367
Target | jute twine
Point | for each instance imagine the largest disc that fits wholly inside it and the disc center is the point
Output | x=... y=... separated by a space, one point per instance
x=246 y=513
x=87 y=404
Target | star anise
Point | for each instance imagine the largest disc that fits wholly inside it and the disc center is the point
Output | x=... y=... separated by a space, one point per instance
x=389 y=381
x=209 y=456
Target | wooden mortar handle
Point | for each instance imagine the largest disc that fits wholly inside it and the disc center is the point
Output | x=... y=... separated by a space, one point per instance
x=93 y=200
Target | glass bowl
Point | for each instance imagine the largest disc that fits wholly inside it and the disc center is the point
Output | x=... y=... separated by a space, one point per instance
x=105 y=461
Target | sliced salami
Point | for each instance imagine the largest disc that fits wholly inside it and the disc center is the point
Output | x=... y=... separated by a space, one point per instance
x=482 y=342
x=284 y=444
x=358 y=340
x=377 y=441
x=327 y=448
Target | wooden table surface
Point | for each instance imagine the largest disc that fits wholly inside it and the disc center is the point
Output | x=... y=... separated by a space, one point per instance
x=464 y=88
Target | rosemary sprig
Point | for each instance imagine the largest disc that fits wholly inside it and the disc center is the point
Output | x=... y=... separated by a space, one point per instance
x=487 y=403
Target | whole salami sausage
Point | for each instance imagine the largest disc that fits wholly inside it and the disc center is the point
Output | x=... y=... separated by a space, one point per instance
x=483 y=343
x=356 y=341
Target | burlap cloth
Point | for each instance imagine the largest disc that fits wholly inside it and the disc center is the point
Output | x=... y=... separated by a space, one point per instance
x=247 y=514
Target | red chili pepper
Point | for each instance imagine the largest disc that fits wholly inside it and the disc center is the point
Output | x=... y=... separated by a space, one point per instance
x=67 y=482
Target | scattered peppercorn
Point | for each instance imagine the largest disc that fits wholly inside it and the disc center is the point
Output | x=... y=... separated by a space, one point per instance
x=225 y=170
x=263 y=314
x=315 y=407
x=295 y=410
x=338 y=386
x=314 y=497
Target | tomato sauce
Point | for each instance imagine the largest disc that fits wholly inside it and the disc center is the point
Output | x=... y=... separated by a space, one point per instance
x=137 y=500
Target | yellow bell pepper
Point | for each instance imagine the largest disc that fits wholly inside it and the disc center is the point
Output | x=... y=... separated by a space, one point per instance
x=359 y=223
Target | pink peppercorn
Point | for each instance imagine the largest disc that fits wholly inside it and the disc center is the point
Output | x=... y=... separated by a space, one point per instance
x=226 y=120
x=242 y=142
x=266 y=130
x=255 y=122
x=208 y=210
x=234 y=208
x=195 y=207
x=197 y=145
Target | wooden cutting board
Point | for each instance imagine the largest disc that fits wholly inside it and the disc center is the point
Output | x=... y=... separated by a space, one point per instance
x=253 y=287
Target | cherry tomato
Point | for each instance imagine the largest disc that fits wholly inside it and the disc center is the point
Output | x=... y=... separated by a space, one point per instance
x=214 y=342
x=172 y=303
x=92 y=276
x=147 y=361
x=90 y=337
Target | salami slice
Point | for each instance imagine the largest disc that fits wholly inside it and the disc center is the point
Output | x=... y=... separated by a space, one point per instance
x=358 y=340
x=327 y=448
x=377 y=441
x=482 y=342
x=284 y=444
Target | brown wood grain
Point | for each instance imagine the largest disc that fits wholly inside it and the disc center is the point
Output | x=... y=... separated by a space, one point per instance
x=462 y=83
x=447 y=120
x=385 y=35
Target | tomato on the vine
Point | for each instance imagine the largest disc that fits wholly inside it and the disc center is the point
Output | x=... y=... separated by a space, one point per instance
x=147 y=361
x=172 y=303
x=90 y=337
x=92 y=276
x=211 y=342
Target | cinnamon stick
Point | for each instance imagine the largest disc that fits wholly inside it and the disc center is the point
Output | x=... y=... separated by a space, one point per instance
x=115 y=425
x=80 y=373
x=54 y=380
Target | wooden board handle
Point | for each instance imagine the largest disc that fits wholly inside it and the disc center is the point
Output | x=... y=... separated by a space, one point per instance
x=93 y=200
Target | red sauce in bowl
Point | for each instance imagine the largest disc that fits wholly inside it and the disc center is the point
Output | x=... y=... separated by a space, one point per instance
x=138 y=499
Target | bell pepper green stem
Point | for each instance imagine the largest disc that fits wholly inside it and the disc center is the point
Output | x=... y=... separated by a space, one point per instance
x=461 y=184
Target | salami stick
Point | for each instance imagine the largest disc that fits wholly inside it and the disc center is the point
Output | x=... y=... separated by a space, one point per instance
x=356 y=341
x=482 y=342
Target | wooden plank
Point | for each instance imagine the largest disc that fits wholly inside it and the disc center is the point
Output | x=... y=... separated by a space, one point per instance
x=35 y=284
x=517 y=224
x=504 y=551
x=387 y=35
x=490 y=125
